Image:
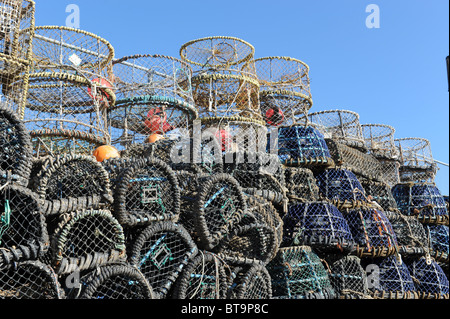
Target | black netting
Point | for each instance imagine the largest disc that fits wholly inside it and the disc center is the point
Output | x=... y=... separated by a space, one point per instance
x=349 y=278
x=380 y=193
x=251 y=282
x=301 y=184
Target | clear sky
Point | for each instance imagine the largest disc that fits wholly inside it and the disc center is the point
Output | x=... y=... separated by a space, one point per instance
x=394 y=74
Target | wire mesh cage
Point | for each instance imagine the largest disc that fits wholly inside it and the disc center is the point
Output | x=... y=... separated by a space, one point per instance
x=439 y=239
x=380 y=140
x=339 y=125
x=160 y=252
x=285 y=93
x=146 y=191
x=341 y=187
x=23 y=229
x=300 y=145
x=298 y=273
x=416 y=160
x=429 y=278
x=348 y=278
x=379 y=192
x=319 y=225
x=252 y=282
x=154 y=98
x=412 y=237
x=30 y=280
x=72 y=182
x=372 y=232
x=15 y=146
x=204 y=277
x=66 y=113
x=423 y=200
x=85 y=240
x=301 y=185
x=115 y=281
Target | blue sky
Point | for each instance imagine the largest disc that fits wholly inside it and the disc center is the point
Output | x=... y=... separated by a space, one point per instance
x=393 y=75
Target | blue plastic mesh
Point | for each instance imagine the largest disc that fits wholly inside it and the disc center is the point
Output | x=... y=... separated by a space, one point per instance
x=317 y=224
x=430 y=279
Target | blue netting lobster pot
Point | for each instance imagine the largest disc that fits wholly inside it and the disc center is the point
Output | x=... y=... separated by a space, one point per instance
x=439 y=239
x=341 y=187
x=298 y=273
x=302 y=146
x=372 y=232
x=389 y=278
x=423 y=200
x=429 y=278
x=319 y=225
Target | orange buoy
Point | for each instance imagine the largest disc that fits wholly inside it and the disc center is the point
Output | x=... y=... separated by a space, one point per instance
x=153 y=138
x=104 y=152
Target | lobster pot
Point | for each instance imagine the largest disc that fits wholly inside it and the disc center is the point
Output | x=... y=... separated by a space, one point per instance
x=411 y=235
x=389 y=278
x=416 y=160
x=15 y=146
x=355 y=160
x=439 y=240
x=341 y=187
x=298 y=273
x=84 y=240
x=319 y=225
x=70 y=183
x=154 y=96
x=285 y=92
x=66 y=113
x=380 y=193
x=30 y=280
x=389 y=171
x=429 y=278
x=115 y=281
x=160 y=252
x=423 y=200
x=23 y=229
x=258 y=173
x=146 y=191
x=301 y=184
x=204 y=277
x=380 y=141
x=339 y=125
x=302 y=146
x=251 y=282
x=372 y=232
x=348 y=278
x=234 y=134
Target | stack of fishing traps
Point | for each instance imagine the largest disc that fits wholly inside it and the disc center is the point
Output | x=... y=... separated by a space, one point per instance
x=203 y=176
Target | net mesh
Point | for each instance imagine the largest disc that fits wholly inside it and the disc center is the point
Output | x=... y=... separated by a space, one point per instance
x=301 y=184
x=348 y=278
x=380 y=141
x=439 y=239
x=429 y=278
x=252 y=282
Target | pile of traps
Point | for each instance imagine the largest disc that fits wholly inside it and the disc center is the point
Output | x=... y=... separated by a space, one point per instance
x=203 y=176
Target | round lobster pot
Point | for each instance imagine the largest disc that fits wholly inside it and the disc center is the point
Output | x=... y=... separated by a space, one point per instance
x=251 y=282
x=341 y=187
x=66 y=113
x=411 y=235
x=204 y=277
x=84 y=240
x=380 y=141
x=160 y=252
x=422 y=200
x=416 y=160
x=298 y=273
x=154 y=96
x=115 y=281
x=219 y=205
x=429 y=278
x=439 y=239
x=30 y=280
x=390 y=279
x=372 y=232
x=146 y=191
x=348 y=278
x=304 y=146
x=380 y=193
x=23 y=229
x=319 y=225
x=69 y=183
x=285 y=91
x=301 y=184
x=15 y=146
x=338 y=125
